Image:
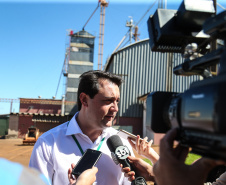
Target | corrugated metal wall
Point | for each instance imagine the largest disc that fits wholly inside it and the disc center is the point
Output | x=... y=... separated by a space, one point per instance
x=144 y=71
x=4 y=125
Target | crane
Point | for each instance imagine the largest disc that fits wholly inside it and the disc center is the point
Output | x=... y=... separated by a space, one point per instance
x=103 y=4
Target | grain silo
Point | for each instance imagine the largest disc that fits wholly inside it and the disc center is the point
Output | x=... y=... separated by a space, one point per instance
x=80 y=60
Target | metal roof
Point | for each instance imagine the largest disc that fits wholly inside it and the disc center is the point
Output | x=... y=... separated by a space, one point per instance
x=83 y=33
x=36 y=114
x=39 y=117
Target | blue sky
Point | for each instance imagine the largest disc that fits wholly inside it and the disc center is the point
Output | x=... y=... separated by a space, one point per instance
x=33 y=38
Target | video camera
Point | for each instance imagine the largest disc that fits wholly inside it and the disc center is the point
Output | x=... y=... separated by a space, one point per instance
x=200 y=112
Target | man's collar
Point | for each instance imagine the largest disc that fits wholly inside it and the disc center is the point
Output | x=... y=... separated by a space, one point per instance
x=73 y=127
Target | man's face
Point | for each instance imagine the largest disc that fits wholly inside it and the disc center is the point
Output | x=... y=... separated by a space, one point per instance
x=104 y=106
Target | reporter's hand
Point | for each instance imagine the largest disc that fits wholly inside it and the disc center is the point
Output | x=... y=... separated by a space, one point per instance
x=88 y=177
x=141 y=167
x=170 y=168
x=144 y=148
x=71 y=178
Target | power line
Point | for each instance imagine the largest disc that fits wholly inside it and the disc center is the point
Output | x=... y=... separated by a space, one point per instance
x=146 y=12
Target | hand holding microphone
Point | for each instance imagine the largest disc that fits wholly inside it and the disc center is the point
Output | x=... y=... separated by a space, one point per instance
x=143 y=169
x=120 y=154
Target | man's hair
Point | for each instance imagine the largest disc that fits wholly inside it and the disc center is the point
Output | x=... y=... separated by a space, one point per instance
x=89 y=83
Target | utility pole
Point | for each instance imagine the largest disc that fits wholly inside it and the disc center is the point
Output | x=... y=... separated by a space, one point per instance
x=130 y=25
x=136 y=34
x=11 y=101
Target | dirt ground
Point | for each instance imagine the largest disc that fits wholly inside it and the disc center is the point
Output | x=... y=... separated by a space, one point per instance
x=14 y=150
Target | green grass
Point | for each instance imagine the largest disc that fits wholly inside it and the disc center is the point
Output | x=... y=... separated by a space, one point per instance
x=148 y=161
x=189 y=160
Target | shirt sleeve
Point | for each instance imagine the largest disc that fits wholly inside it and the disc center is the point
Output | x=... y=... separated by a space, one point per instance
x=126 y=181
x=41 y=159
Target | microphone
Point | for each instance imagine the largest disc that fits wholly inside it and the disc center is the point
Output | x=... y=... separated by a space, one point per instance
x=119 y=154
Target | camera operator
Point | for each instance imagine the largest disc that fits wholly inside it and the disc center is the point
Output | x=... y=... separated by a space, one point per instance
x=170 y=168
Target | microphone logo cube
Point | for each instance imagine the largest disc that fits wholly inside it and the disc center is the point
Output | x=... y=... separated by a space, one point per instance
x=122 y=152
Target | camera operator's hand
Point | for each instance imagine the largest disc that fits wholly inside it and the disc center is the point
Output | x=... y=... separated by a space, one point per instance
x=141 y=167
x=144 y=148
x=88 y=177
x=170 y=168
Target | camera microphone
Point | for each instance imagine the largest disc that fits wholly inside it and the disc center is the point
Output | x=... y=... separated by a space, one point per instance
x=119 y=154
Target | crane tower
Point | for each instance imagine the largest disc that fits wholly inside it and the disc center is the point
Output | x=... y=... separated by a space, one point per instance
x=103 y=4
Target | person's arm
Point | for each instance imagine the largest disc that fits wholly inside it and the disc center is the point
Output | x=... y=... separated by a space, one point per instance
x=141 y=167
x=88 y=177
x=170 y=169
x=144 y=148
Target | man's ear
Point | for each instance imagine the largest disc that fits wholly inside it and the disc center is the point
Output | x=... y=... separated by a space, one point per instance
x=83 y=98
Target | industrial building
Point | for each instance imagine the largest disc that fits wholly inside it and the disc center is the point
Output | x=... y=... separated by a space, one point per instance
x=41 y=113
x=143 y=72
x=48 y=113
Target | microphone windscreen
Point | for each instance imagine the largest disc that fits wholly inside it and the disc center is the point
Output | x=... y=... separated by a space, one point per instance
x=113 y=142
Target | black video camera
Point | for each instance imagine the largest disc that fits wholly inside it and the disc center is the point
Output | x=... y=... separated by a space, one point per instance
x=200 y=112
